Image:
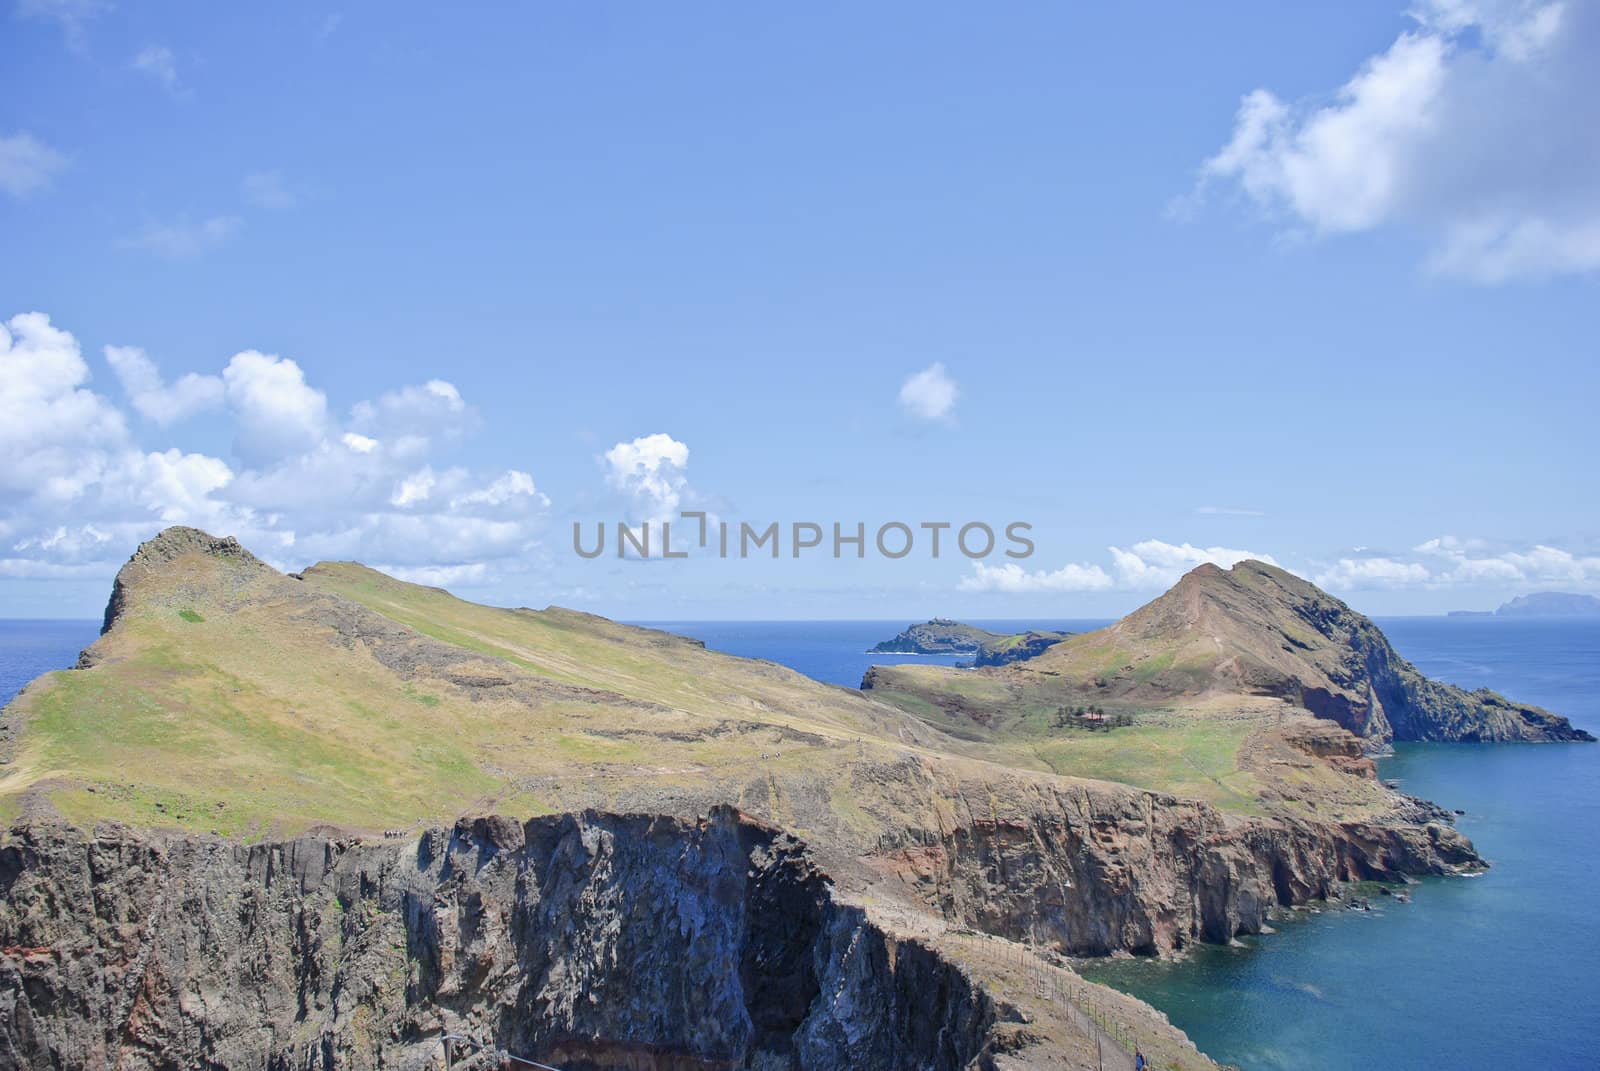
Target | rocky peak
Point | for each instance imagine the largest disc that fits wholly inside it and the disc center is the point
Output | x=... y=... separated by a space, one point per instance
x=1256 y=629
x=170 y=555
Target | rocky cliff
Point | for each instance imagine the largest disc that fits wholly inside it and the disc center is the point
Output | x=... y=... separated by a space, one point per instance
x=593 y=941
x=1093 y=872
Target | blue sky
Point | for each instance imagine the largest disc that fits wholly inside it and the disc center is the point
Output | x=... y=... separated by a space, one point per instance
x=1312 y=285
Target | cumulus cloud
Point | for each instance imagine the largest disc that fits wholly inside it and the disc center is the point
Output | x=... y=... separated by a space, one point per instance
x=1448 y=561
x=55 y=434
x=1351 y=574
x=27 y=165
x=184 y=239
x=279 y=414
x=80 y=490
x=158 y=401
x=1478 y=128
x=1014 y=579
x=1145 y=566
x=929 y=394
x=412 y=417
x=651 y=471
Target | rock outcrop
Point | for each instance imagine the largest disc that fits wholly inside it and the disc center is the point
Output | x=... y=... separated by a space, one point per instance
x=1018 y=648
x=1102 y=872
x=937 y=636
x=587 y=941
x=942 y=636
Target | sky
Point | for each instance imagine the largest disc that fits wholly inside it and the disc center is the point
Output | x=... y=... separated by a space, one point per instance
x=426 y=286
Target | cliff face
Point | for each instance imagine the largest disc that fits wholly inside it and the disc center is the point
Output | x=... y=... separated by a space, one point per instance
x=616 y=941
x=1095 y=873
x=592 y=941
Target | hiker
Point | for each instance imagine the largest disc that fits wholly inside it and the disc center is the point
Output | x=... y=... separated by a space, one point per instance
x=1138 y=1060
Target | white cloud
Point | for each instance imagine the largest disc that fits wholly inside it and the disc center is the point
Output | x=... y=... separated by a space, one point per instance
x=1479 y=128
x=266 y=189
x=509 y=488
x=651 y=472
x=27 y=165
x=79 y=490
x=278 y=413
x=1012 y=578
x=158 y=63
x=413 y=489
x=1447 y=562
x=414 y=416
x=184 y=239
x=929 y=394
x=1353 y=574
x=55 y=435
x=1146 y=566
x=155 y=400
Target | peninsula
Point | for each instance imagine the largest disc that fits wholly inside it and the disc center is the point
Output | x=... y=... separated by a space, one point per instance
x=942 y=636
x=356 y=814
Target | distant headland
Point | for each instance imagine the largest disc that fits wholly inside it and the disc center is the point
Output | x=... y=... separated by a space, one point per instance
x=1541 y=604
x=942 y=636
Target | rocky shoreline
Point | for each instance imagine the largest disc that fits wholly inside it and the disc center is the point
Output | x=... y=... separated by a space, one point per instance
x=601 y=940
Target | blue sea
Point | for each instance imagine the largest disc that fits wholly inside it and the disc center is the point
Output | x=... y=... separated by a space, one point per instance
x=1476 y=974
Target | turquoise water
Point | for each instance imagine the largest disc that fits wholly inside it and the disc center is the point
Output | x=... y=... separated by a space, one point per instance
x=1499 y=971
x=1496 y=972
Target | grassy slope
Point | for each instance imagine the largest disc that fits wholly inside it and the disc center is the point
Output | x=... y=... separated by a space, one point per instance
x=231 y=698
x=228 y=698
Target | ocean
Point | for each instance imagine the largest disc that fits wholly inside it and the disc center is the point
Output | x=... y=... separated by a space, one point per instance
x=1494 y=972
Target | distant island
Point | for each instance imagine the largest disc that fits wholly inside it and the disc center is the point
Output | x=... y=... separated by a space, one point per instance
x=942 y=636
x=1541 y=604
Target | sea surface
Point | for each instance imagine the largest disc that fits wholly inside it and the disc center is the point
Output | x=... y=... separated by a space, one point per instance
x=29 y=648
x=1493 y=972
